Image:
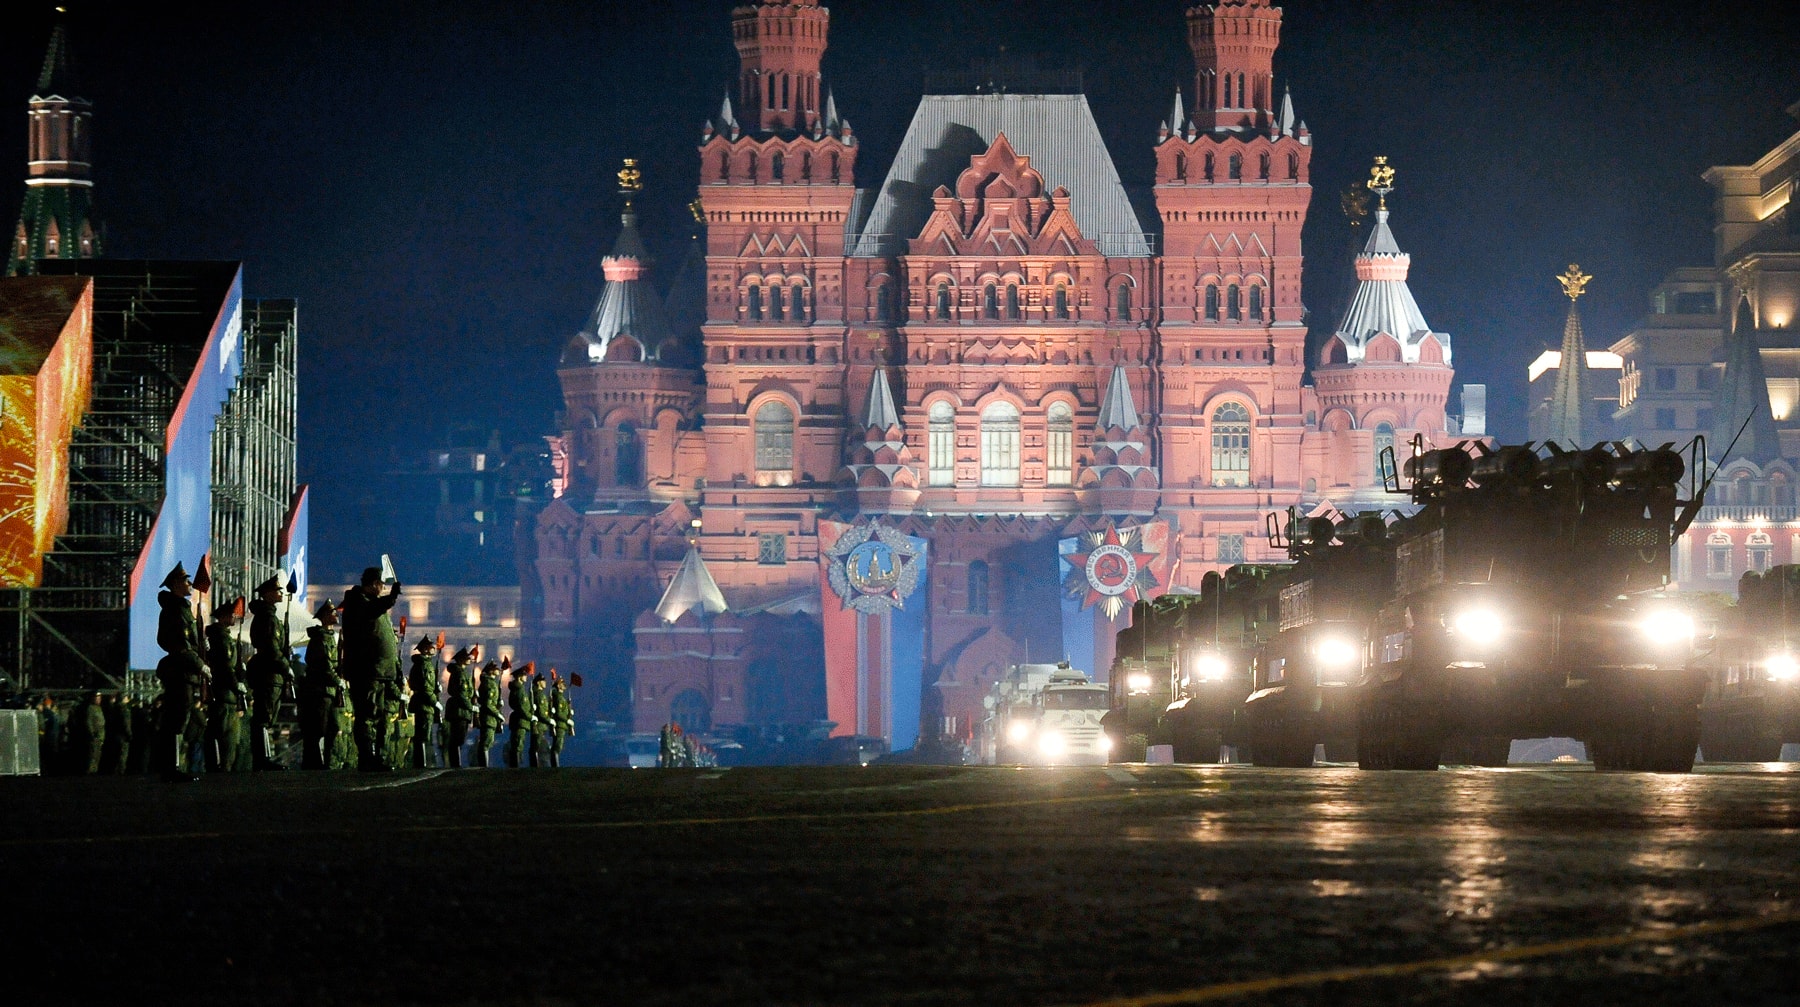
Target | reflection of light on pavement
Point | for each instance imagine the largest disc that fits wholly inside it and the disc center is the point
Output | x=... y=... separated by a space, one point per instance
x=1340 y=825
x=1335 y=888
x=1473 y=880
x=1668 y=857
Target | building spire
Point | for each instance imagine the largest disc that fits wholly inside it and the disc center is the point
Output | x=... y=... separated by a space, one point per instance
x=58 y=75
x=1569 y=400
x=1383 y=303
x=1117 y=410
x=56 y=218
x=1177 y=115
x=691 y=588
x=1743 y=395
x=780 y=44
x=1284 y=122
x=628 y=323
x=881 y=414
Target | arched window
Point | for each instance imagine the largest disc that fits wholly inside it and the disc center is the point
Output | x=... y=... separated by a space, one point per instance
x=1122 y=307
x=774 y=438
x=1294 y=166
x=940 y=448
x=1180 y=164
x=1759 y=551
x=1242 y=96
x=1209 y=167
x=752 y=163
x=834 y=166
x=990 y=302
x=777 y=306
x=1061 y=444
x=778 y=166
x=1237 y=166
x=884 y=308
x=1262 y=167
x=1384 y=452
x=1231 y=445
x=1256 y=302
x=1232 y=308
x=1212 y=302
x=1000 y=445
x=771 y=101
x=784 y=90
x=943 y=300
x=724 y=166
x=753 y=303
x=1227 y=102
x=797 y=298
x=978 y=588
x=1062 y=301
x=1012 y=301
x=628 y=456
x=805 y=167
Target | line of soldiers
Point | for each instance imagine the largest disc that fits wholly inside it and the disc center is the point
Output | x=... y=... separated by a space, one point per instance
x=352 y=702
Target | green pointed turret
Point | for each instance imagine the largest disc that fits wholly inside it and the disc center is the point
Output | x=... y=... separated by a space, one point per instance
x=56 y=217
x=1568 y=402
x=1743 y=395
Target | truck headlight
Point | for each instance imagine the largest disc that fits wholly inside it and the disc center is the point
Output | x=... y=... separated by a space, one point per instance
x=1668 y=627
x=1138 y=682
x=1018 y=731
x=1106 y=743
x=1050 y=744
x=1210 y=667
x=1336 y=652
x=1480 y=626
x=1782 y=667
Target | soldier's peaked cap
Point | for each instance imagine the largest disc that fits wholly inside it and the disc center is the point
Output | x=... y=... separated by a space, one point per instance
x=461 y=656
x=175 y=576
x=325 y=609
x=425 y=645
x=272 y=584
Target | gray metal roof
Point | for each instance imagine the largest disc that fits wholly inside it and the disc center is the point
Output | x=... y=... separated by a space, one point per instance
x=881 y=414
x=1117 y=410
x=1058 y=133
x=1385 y=305
x=626 y=307
x=691 y=588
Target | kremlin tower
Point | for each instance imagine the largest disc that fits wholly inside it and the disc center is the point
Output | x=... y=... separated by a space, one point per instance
x=56 y=220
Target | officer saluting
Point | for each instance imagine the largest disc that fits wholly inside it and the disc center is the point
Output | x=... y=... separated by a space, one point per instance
x=370 y=657
x=182 y=673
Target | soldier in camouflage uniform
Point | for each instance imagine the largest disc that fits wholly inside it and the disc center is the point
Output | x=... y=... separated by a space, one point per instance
x=319 y=692
x=182 y=674
x=459 y=708
x=422 y=686
x=562 y=719
x=118 y=735
x=523 y=717
x=490 y=718
x=271 y=677
x=92 y=735
x=343 y=751
x=542 y=718
x=227 y=698
x=370 y=658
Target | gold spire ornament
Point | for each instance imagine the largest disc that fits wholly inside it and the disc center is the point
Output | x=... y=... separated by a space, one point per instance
x=697 y=211
x=631 y=180
x=1381 y=181
x=1574 y=282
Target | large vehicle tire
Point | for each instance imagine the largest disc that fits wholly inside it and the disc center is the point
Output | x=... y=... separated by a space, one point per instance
x=1659 y=738
x=1477 y=750
x=1738 y=740
x=1195 y=745
x=1388 y=738
x=1275 y=742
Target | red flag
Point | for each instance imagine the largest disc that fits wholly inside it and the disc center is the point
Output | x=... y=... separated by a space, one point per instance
x=530 y=666
x=237 y=609
x=475 y=652
x=403 y=627
x=506 y=664
x=203 y=578
x=575 y=680
x=440 y=641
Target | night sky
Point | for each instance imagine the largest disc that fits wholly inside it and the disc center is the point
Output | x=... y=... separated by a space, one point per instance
x=435 y=182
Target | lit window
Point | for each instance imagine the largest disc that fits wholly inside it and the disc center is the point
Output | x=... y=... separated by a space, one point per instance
x=1384 y=456
x=1000 y=445
x=1760 y=550
x=1231 y=445
x=941 y=449
x=1718 y=555
x=774 y=438
x=1061 y=444
x=472 y=612
x=1231 y=548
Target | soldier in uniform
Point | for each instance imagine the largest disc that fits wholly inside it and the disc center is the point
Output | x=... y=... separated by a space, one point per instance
x=344 y=752
x=319 y=692
x=422 y=682
x=118 y=735
x=522 y=720
x=542 y=719
x=226 y=698
x=562 y=719
x=459 y=708
x=92 y=735
x=488 y=712
x=270 y=674
x=182 y=673
x=370 y=657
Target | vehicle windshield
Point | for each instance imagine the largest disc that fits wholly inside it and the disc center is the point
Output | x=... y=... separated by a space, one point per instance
x=1076 y=699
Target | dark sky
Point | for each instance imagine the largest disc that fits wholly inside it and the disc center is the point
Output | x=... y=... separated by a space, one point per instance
x=434 y=182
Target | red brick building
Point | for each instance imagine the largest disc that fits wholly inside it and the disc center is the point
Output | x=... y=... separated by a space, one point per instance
x=986 y=349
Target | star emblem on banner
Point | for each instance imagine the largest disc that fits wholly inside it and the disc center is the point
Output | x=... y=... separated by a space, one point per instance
x=1113 y=572
x=873 y=568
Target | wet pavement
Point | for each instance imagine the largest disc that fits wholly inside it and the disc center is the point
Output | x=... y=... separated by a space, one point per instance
x=910 y=885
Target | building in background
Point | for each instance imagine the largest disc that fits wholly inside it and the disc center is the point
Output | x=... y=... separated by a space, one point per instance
x=487 y=615
x=962 y=418
x=56 y=220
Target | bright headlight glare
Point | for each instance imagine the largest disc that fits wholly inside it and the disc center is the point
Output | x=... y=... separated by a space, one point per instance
x=1668 y=627
x=1106 y=742
x=1480 y=626
x=1210 y=667
x=1138 y=682
x=1018 y=731
x=1782 y=667
x=1336 y=652
x=1051 y=743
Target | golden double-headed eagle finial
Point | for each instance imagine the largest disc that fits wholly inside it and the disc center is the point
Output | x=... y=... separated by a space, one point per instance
x=1574 y=281
x=631 y=180
x=1381 y=180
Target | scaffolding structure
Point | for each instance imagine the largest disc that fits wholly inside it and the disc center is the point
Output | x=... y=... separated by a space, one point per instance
x=152 y=322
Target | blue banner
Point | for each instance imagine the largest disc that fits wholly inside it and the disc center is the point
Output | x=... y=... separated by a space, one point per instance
x=907 y=630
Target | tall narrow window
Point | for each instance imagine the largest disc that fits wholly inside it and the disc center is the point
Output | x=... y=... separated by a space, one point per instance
x=1180 y=164
x=1262 y=167
x=1256 y=306
x=943 y=301
x=777 y=167
x=1000 y=445
x=884 y=310
x=753 y=303
x=834 y=167
x=1232 y=308
x=1212 y=302
x=1384 y=448
x=1122 y=308
x=628 y=456
x=1237 y=166
x=777 y=307
x=1294 y=166
x=990 y=302
x=1209 y=167
x=978 y=588
x=941 y=447
x=1061 y=444
x=774 y=439
x=724 y=166
x=1242 y=96
x=1062 y=301
x=1231 y=445
x=797 y=298
x=1012 y=301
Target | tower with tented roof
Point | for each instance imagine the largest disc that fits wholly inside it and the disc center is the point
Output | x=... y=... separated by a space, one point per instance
x=56 y=219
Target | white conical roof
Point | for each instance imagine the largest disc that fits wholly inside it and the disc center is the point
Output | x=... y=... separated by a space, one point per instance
x=1117 y=410
x=692 y=587
x=881 y=413
x=1383 y=302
